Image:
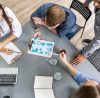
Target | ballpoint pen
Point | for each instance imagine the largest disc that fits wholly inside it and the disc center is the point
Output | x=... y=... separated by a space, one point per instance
x=55 y=54
x=15 y=51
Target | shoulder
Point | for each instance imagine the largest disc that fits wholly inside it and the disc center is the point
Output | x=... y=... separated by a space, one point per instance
x=69 y=12
x=7 y=9
x=9 y=12
x=70 y=19
x=80 y=78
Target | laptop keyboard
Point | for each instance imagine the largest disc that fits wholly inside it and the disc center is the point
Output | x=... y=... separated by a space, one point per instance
x=8 y=76
x=7 y=79
x=95 y=59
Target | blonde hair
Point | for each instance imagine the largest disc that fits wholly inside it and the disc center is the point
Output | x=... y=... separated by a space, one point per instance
x=55 y=15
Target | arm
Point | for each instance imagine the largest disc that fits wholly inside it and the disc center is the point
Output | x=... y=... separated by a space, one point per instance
x=37 y=13
x=77 y=76
x=71 y=69
x=6 y=41
x=16 y=28
x=69 y=24
x=6 y=51
x=92 y=46
x=95 y=43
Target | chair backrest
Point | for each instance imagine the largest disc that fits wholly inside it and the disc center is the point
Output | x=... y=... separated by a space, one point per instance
x=78 y=6
x=85 y=12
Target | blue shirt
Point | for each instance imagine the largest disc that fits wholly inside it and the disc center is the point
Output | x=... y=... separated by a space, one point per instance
x=81 y=79
x=68 y=26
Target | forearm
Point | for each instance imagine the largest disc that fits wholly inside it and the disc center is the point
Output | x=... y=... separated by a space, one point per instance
x=2 y=49
x=71 y=69
x=9 y=39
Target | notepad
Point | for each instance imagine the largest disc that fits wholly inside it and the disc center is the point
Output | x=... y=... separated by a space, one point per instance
x=14 y=56
x=43 y=87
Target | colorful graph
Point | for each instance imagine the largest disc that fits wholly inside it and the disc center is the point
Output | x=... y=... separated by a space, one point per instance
x=42 y=47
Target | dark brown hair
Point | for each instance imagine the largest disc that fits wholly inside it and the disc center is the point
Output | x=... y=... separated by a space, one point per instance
x=6 y=18
x=55 y=14
x=87 y=92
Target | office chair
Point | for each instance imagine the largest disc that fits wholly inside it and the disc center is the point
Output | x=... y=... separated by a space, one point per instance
x=85 y=12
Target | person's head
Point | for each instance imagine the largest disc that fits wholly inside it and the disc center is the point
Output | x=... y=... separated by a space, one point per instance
x=91 y=89
x=3 y=15
x=6 y=97
x=54 y=16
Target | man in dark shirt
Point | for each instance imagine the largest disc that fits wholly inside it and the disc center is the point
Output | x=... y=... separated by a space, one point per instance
x=56 y=18
x=95 y=43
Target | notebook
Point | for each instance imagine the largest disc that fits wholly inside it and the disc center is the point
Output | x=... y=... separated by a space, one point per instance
x=41 y=48
x=43 y=87
x=14 y=56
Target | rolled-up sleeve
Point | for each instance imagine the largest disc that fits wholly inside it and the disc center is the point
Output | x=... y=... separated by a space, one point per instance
x=80 y=78
x=16 y=26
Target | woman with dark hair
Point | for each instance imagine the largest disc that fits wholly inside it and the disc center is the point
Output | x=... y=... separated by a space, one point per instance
x=10 y=28
x=89 y=88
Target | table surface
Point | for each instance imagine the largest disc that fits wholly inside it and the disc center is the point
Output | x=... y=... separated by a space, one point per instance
x=30 y=66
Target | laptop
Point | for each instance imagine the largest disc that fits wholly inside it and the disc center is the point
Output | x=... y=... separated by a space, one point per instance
x=8 y=76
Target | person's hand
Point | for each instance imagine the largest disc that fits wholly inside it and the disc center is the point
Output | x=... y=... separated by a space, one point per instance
x=38 y=21
x=2 y=45
x=97 y=3
x=86 y=5
x=37 y=34
x=7 y=51
x=78 y=59
x=62 y=56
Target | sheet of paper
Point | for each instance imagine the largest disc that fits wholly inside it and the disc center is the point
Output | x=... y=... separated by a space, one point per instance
x=41 y=48
x=44 y=93
x=43 y=82
x=9 y=58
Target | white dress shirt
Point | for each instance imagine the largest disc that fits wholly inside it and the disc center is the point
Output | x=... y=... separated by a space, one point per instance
x=4 y=27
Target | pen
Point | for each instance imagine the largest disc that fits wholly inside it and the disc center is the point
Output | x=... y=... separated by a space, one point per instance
x=55 y=54
x=15 y=51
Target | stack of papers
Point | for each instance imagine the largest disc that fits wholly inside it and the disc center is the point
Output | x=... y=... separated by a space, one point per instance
x=15 y=55
x=43 y=87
